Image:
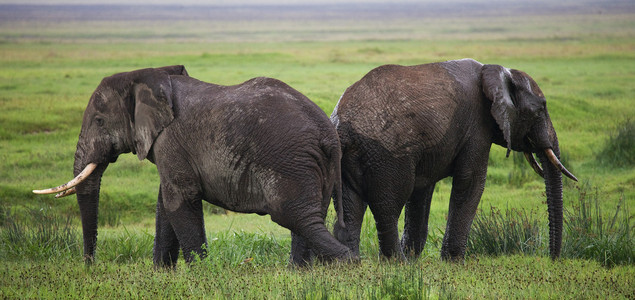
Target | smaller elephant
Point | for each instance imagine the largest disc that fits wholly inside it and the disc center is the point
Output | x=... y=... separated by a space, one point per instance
x=257 y=147
x=404 y=128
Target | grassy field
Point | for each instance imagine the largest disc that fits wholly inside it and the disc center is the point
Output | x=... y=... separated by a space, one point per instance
x=51 y=60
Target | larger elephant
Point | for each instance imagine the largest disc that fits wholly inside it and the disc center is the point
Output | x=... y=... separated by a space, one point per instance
x=404 y=128
x=257 y=147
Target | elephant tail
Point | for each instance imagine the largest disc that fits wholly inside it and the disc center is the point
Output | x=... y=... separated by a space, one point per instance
x=336 y=161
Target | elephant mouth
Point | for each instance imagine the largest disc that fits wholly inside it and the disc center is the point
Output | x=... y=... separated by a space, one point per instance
x=552 y=158
x=529 y=145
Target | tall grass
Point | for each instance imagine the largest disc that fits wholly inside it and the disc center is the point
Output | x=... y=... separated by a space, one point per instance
x=124 y=246
x=232 y=249
x=45 y=236
x=390 y=281
x=589 y=233
x=254 y=265
x=513 y=231
x=619 y=150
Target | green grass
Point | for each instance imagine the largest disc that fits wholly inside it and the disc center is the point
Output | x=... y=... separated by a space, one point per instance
x=583 y=63
x=483 y=277
x=619 y=151
x=589 y=232
x=594 y=234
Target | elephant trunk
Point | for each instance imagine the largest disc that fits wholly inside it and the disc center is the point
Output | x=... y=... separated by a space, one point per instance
x=553 y=188
x=88 y=200
x=545 y=142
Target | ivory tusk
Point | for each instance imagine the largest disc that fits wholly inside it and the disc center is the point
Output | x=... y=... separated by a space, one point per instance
x=65 y=193
x=556 y=162
x=534 y=164
x=75 y=181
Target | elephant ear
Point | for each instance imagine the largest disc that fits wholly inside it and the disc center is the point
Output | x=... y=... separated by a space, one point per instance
x=496 y=82
x=152 y=92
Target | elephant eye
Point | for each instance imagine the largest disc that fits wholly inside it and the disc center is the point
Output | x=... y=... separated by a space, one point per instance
x=99 y=121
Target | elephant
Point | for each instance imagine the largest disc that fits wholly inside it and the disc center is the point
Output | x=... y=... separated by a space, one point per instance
x=404 y=128
x=257 y=147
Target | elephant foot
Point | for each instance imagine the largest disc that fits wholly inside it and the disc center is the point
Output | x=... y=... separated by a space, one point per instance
x=459 y=259
x=89 y=260
x=348 y=240
x=397 y=258
x=301 y=262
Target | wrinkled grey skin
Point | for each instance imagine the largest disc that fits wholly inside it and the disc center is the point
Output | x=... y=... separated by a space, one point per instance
x=257 y=147
x=403 y=128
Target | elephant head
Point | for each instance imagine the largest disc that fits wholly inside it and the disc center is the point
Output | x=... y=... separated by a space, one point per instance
x=125 y=114
x=519 y=108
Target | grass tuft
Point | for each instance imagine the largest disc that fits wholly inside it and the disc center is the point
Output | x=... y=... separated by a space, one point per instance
x=513 y=231
x=593 y=235
x=39 y=236
x=232 y=249
x=127 y=246
x=588 y=232
x=619 y=150
x=409 y=284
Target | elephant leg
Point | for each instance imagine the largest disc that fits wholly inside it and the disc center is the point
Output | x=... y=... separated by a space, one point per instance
x=323 y=244
x=388 y=234
x=416 y=217
x=185 y=212
x=305 y=218
x=354 y=208
x=387 y=195
x=467 y=187
x=166 y=244
x=301 y=254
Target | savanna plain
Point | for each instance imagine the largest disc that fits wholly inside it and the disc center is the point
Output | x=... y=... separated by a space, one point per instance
x=582 y=56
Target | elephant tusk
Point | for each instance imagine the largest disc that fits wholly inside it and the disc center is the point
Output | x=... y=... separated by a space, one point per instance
x=534 y=164
x=75 y=181
x=65 y=193
x=556 y=162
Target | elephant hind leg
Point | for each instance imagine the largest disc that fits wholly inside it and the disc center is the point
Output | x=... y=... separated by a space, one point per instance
x=416 y=222
x=354 y=208
x=389 y=187
x=319 y=241
x=308 y=231
x=301 y=254
x=388 y=235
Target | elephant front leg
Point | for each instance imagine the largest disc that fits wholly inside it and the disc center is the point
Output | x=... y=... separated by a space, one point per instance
x=467 y=188
x=166 y=244
x=184 y=210
x=416 y=222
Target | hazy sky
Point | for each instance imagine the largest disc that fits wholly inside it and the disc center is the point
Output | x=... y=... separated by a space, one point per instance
x=215 y=2
x=198 y=2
